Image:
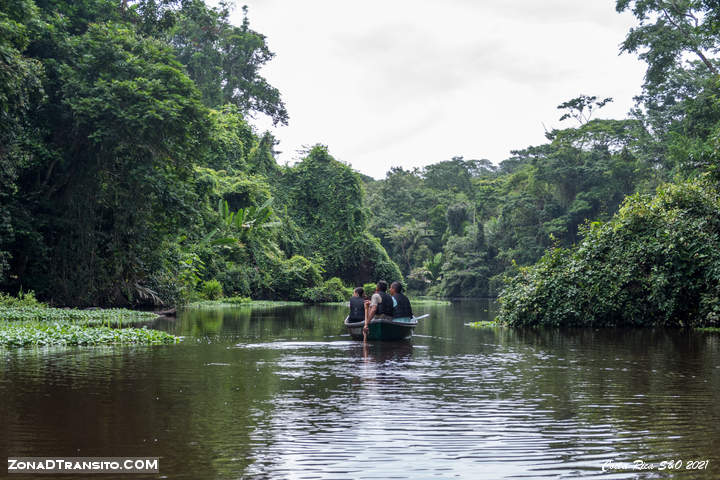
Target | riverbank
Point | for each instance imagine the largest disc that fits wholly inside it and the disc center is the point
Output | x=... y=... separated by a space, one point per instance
x=247 y=302
x=239 y=302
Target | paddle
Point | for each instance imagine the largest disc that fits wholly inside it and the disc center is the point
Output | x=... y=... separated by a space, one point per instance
x=421 y=317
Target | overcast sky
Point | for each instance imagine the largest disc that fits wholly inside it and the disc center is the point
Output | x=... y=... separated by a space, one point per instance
x=413 y=82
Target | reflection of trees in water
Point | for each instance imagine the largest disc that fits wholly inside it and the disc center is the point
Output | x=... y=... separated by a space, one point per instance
x=166 y=402
x=446 y=328
x=648 y=387
x=264 y=323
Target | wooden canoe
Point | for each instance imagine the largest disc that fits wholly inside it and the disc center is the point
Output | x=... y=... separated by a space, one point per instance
x=383 y=328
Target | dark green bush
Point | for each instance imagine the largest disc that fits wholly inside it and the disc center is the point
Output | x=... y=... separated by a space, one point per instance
x=23 y=299
x=369 y=289
x=495 y=285
x=655 y=263
x=211 y=289
x=236 y=281
x=363 y=258
x=331 y=290
x=294 y=276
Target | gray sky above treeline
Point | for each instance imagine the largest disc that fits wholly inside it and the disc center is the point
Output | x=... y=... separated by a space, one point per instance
x=413 y=82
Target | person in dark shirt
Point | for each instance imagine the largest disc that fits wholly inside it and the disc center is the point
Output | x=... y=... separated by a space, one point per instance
x=357 y=306
x=401 y=304
x=380 y=305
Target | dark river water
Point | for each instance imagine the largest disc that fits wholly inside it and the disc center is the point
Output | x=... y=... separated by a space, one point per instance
x=284 y=393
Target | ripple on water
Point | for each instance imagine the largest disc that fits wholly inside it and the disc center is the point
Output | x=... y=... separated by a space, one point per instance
x=285 y=395
x=441 y=416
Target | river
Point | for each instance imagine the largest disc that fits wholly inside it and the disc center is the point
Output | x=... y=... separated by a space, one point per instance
x=283 y=392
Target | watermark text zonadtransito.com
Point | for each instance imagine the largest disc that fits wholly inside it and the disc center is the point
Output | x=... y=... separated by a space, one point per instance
x=83 y=465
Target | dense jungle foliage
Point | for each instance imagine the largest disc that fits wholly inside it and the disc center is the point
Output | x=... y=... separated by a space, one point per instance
x=129 y=174
x=656 y=261
x=469 y=228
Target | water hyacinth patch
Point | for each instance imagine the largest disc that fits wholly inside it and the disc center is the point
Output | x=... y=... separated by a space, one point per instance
x=111 y=317
x=25 y=334
x=38 y=325
x=429 y=301
x=484 y=324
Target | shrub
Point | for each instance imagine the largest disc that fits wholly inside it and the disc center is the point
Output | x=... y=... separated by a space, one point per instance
x=23 y=299
x=235 y=281
x=419 y=280
x=331 y=290
x=364 y=258
x=169 y=289
x=369 y=289
x=211 y=289
x=495 y=285
x=656 y=262
x=295 y=276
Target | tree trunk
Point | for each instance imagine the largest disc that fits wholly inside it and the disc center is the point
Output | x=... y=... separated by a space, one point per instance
x=707 y=62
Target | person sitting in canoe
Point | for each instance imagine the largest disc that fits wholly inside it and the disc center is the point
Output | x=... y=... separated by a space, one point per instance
x=380 y=304
x=357 y=306
x=402 y=310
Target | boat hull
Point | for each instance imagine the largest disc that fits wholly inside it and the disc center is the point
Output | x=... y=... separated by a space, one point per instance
x=385 y=329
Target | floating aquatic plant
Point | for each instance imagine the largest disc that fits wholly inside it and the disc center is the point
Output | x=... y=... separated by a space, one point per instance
x=111 y=317
x=33 y=333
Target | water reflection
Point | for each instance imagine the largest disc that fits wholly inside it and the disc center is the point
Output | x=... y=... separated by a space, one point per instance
x=285 y=393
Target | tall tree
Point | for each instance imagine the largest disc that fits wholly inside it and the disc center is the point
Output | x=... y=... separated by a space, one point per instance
x=325 y=197
x=668 y=29
x=110 y=183
x=20 y=94
x=225 y=60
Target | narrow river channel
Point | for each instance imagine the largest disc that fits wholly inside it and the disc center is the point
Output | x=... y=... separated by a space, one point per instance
x=283 y=392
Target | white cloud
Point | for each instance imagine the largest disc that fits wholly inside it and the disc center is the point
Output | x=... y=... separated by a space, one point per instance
x=400 y=82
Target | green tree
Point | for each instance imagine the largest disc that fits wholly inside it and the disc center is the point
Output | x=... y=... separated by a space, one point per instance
x=20 y=92
x=111 y=181
x=667 y=30
x=452 y=175
x=466 y=270
x=225 y=60
x=654 y=263
x=409 y=240
x=581 y=108
x=325 y=199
